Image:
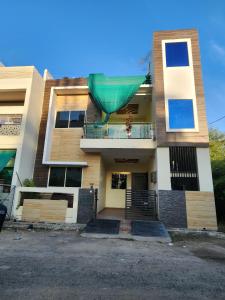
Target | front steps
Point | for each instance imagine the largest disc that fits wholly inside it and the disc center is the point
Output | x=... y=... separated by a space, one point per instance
x=134 y=230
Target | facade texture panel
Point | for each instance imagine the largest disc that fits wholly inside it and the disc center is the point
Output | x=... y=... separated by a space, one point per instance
x=172 y=208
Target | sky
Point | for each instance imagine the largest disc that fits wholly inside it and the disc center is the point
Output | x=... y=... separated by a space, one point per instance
x=72 y=38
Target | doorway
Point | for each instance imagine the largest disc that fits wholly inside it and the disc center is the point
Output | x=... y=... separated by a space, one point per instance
x=139 y=181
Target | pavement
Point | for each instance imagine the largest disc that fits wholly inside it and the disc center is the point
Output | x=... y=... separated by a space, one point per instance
x=63 y=265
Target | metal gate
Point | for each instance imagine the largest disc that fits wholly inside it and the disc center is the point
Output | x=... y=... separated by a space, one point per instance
x=140 y=205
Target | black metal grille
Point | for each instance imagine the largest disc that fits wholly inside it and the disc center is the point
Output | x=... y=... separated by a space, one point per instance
x=183 y=168
x=140 y=205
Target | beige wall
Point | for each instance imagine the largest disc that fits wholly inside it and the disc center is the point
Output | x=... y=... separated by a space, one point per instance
x=70 y=102
x=115 y=197
x=91 y=174
x=144 y=110
x=201 y=212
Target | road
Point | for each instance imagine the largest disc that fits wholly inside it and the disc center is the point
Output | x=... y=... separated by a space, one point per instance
x=62 y=265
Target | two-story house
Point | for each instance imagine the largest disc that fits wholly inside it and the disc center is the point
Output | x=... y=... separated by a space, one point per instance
x=21 y=98
x=148 y=160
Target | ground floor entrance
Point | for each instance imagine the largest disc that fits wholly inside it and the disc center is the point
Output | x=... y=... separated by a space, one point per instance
x=127 y=188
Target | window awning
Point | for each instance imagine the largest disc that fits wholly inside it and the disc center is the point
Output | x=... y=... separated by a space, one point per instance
x=113 y=93
x=5 y=156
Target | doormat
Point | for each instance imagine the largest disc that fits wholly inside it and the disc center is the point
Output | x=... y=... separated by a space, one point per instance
x=149 y=228
x=103 y=226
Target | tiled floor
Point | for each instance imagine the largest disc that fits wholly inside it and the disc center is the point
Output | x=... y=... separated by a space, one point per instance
x=112 y=213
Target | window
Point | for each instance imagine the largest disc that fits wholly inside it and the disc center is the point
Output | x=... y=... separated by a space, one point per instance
x=183 y=168
x=62 y=119
x=181 y=114
x=68 y=177
x=70 y=119
x=73 y=177
x=119 y=181
x=77 y=119
x=177 y=54
x=57 y=176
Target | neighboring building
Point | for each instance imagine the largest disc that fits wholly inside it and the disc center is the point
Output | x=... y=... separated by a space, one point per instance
x=151 y=160
x=21 y=98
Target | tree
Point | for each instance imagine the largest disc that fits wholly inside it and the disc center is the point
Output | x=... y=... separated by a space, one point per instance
x=217 y=154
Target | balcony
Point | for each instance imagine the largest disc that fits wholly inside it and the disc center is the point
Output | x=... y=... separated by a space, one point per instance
x=10 y=124
x=117 y=136
x=119 y=131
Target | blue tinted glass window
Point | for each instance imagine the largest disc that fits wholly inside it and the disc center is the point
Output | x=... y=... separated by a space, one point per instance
x=77 y=118
x=177 y=54
x=181 y=114
x=62 y=119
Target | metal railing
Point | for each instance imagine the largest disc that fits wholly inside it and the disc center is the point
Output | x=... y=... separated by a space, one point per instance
x=140 y=205
x=119 y=131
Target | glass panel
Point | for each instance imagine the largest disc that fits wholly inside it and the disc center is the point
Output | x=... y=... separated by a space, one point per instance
x=119 y=181
x=73 y=177
x=10 y=119
x=181 y=115
x=77 y=119
x=119 y=131
x=177 y=54
x=57 y=176
x=62 y=119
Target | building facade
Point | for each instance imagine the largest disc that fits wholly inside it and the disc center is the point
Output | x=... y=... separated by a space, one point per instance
x=21 y=98
x=150 y=160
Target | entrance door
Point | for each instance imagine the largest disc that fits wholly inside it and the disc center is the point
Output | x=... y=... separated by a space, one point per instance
x=140 y=201
x=139 y=181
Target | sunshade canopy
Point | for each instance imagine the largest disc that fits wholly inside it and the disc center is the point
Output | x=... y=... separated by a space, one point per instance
x=5 y=156
x=113 y=93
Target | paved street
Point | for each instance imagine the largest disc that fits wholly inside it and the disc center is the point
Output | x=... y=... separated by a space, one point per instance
x=61 y=265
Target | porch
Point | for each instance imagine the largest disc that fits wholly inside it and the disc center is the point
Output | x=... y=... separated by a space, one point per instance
x=127 y=185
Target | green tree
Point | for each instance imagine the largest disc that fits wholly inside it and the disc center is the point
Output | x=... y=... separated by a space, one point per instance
x=217 y=153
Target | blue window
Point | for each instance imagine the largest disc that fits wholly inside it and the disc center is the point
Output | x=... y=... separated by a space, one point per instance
x=181 y=114
x=177 y=54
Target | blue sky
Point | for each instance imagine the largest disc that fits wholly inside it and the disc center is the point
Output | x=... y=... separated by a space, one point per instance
x=73 y=38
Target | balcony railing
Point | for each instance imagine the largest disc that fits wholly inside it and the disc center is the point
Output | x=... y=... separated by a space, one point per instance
x=119 y=131
x=10 y=124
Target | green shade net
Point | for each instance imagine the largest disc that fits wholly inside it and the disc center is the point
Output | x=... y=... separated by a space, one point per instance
x=5 y=156
x=113 y=93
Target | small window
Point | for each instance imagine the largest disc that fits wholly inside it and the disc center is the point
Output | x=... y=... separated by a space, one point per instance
x=181 y=114
x=119 y=181
x=68 y=177
x=77 y=119
x=73 y=177
x=70 y=119
x=183 y=168
x=57 y=176
x=177 y=54
x=62 y=119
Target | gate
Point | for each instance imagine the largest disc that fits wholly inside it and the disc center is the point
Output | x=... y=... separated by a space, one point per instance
x=140 y=205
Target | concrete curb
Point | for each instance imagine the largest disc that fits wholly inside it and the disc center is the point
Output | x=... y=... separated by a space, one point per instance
x=196 y=233
x=126 y=236
x=20 y=225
